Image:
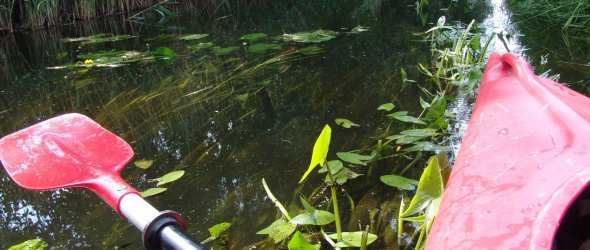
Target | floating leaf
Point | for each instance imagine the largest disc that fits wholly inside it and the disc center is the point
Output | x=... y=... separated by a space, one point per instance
x=430 y=188
x=359 y=29
x=353 y=239
x=277 y=203
x=220 y=51
x=143 y=164
x=193 y=37
x=165 y=52
x=253 y=36
x=353 y=158
x=320 y=151
x=100 y=38
x=298 y=242
x=424 y=104
x=200 y=46
x=386 y=107
x=345 y=123
x=311 y=37
x=399 y=182
x=35 y=244
x=170 y=177
x=152 y=192
x=281 y=232
x=269 y=229
x=263 y=47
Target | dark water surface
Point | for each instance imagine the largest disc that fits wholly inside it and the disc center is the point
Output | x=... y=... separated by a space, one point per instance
x=227 y=120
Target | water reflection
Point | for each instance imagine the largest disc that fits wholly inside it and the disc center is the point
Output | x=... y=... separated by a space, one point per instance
x=227 y=120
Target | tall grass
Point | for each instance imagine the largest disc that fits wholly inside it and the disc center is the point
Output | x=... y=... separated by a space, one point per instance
x=572 y=17
x=34 y=14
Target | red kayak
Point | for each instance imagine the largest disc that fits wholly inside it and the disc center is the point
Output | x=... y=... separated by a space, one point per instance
x=520 y=180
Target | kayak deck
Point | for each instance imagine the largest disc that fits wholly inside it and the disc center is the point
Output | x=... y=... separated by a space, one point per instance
x=524 y=159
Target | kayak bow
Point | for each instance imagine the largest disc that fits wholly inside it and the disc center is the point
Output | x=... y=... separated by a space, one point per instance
x=524 y=159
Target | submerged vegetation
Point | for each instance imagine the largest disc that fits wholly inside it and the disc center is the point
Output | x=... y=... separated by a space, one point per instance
x=374 y=180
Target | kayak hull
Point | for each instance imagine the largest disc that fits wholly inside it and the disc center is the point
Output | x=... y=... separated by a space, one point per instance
x=524 y=159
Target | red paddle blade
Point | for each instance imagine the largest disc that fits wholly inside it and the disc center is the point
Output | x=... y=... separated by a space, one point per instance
x=70 y=150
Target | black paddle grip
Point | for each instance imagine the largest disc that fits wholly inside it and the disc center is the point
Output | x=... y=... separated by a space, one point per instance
x=175 y=236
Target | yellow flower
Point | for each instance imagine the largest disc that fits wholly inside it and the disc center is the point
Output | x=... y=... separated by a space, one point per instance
x=88 y=62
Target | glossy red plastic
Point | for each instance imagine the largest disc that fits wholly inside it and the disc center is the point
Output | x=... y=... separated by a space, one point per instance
x=70 y=150
x=524 y=158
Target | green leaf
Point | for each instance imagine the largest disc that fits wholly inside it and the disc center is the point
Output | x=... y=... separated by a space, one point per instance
x=170 y=177
x=253 y=36
x=143 y=164
x=353 y=158
x=404 y=139
x=193 y=37
x=419 y=132
x=424 y=104
x=200 y=46
x=404 y=75
x=399 y=182
x=277 y=203
x=320 y=151
x=352 y=239
x=269 y=229
x=220 y=51
x=152 y=192
x=430 y=188
x=165 y=52
x=35 y=244
x=263 y=47
x=281 y=232
x=410 y=119
x=216 y=230
x=334 y=165
x=359 y=29
x=345 y=123
x=437 y=109
x=319 y=217
x=386 y=106
x=311 y=37
x=298 y=242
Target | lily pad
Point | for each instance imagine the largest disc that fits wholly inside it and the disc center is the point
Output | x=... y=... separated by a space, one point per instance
x=193 y=37
x=253 y=36
x=221 y=51
x=263 y=47
x=152 y=191
x=170 y=177
x=317 y=36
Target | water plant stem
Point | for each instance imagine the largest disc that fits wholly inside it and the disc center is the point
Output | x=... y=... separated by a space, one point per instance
x=335 y=204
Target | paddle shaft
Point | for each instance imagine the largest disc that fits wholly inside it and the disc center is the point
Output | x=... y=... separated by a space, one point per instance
x=161 y=230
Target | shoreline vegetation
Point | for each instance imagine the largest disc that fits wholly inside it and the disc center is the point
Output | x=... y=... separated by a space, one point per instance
x=18 y=15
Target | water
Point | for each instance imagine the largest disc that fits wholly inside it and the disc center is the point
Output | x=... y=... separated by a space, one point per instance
x=223 y=119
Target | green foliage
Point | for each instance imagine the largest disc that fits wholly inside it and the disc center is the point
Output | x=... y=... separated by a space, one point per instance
x=253 y=36
x=170 y=177
x=317 y=36
x=298 y=242
x=320 y=151
x=35 y=244
x=221 y=51
x=263 y=47
x=345 y=123
x=192 y=37
x=353 y=239
x=143 y=164
x=152 y=191
x=399 y=182
x=217 y=231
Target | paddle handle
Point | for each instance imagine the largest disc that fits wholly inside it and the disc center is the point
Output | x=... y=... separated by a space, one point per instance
x=160 y=230
x=111 y=189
